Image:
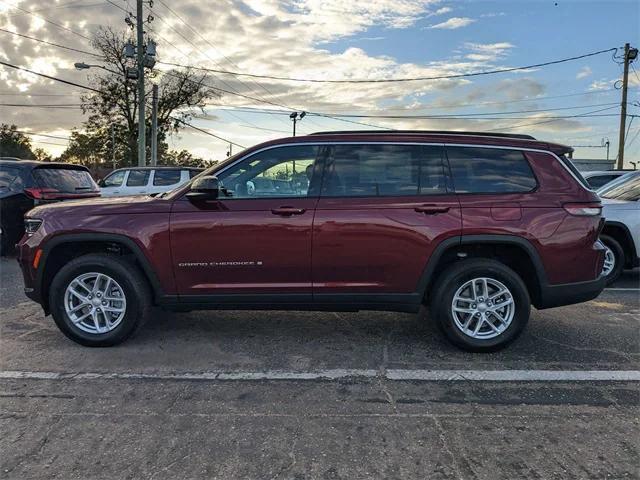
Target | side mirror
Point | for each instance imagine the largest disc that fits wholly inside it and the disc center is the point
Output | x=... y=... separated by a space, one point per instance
x=100 y=182
x=204 y=188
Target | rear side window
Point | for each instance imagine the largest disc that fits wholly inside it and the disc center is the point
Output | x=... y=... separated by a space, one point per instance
x=600 y=180
x=384 y=170
x=64 y=179
x=10 y=177
x=193 y=173
x=138 y=178
x=166 y=177
x=490 y=170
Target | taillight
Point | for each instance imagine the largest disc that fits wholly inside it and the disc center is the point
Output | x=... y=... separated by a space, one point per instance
x=40 y=193
x=583 y=209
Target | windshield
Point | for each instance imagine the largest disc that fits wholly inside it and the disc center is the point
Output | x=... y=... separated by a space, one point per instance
x=626 y=187
x=65 y=180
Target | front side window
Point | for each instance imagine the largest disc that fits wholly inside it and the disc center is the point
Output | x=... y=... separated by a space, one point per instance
x=490 y=170
x=115 y=179
x=276 y=172
x=383 y=170
x=138 y=178
x=166 y=177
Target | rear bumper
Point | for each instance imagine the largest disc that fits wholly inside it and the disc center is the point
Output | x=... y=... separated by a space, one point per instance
x=570 y=293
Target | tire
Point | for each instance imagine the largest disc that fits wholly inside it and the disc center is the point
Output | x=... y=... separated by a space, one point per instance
x=498 y=276
x=614 y=249
x=129 y=294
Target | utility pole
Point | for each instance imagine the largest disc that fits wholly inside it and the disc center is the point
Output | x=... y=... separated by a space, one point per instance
x=113 y=145
x=630 y=54
x=142 y=146
x=154 y=126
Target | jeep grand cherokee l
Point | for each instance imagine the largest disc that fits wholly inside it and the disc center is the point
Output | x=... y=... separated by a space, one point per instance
x=478 y=227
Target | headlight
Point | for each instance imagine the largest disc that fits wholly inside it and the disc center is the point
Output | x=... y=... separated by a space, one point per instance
x=31 y=225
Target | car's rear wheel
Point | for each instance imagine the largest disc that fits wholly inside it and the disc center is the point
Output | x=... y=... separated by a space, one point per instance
x=613 y=259
x=99 y=300
x=481 y=305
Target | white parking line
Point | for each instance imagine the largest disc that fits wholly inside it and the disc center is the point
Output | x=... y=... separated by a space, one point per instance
x=335 y=374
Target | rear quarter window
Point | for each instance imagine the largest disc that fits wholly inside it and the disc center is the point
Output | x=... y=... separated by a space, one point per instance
x=64 y=179
x=490 y=170
x=10 y=177
x=166 y=177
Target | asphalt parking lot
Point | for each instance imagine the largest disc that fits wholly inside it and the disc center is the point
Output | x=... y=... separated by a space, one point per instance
x=296 y=395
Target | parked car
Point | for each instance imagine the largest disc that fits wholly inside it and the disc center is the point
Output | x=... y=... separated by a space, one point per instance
x=25 y=184
x=621 y=233
x=600 y=178
x=145 y=180
x=478 y=227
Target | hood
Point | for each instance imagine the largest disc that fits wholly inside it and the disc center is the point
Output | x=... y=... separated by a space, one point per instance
x=104 y=206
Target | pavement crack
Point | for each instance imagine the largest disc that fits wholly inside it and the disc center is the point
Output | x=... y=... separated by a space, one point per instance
x=169 y=465
x=445 y=445
x=292 y=453
x=626 y=356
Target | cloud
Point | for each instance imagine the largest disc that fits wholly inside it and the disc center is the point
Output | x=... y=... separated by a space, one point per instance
x=521 y=88
x=440 y=11
x=486 y=52
x=584 y=73
x=454 y=23
x=602 y=84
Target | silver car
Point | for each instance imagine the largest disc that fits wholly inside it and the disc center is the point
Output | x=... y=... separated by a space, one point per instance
x=621 y=233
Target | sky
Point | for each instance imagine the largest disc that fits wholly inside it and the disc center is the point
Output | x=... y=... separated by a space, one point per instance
x=338 y=40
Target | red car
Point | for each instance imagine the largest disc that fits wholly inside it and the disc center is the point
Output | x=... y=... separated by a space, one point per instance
x=477 y=226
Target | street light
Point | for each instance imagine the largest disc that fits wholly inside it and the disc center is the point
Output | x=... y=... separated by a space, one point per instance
x=295 y=117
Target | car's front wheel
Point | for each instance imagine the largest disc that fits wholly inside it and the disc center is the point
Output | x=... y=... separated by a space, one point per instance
x=99 y=300
x=481 y=305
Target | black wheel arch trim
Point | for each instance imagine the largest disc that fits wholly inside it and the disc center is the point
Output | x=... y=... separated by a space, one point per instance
x=67 y=238
x=427 y=275
x=628 y=239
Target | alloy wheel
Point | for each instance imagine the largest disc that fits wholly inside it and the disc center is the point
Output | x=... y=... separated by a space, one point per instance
x=483 y=308
x=95 y=303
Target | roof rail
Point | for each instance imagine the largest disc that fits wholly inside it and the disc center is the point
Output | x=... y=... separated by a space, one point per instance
x=426 y=132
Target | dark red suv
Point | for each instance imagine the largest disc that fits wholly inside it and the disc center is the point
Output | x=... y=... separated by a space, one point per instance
x=476 y=226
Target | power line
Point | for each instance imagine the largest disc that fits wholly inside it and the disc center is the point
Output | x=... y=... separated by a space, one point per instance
x=550 y=121
x=42 y=135
x=487 y=114
x=73 y=4
x=390 y=80
x=49 y=77
x=49 y=43
x=206 y=132
x=48 y=21
x=39 y=105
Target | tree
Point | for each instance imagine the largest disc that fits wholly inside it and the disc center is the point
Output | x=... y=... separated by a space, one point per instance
x=185 y=158
x=84 y=149
x=14 y=143
x=42 y=155
x=180 y=92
